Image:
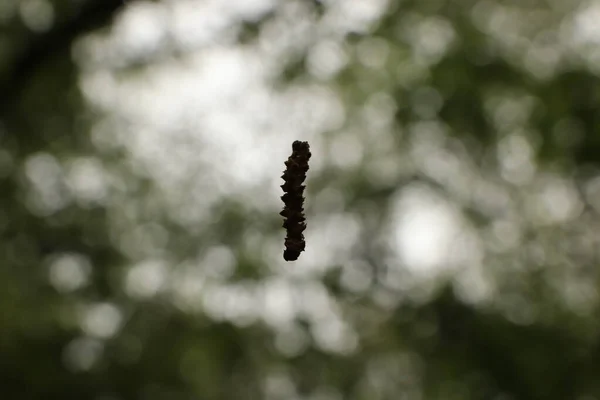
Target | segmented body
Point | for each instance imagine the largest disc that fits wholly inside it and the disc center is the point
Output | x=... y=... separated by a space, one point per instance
x=293 y=199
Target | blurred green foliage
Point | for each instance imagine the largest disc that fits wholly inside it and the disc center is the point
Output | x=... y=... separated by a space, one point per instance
x=488 y=78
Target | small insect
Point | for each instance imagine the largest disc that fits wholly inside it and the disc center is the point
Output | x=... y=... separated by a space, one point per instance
x=293 y=200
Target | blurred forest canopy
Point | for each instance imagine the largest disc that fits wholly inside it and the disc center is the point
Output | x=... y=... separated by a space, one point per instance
x=453 y=199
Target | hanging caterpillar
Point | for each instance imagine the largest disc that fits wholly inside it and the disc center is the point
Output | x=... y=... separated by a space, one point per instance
x=293 y=199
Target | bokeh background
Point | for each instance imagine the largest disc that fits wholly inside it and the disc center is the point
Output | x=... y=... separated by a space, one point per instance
x=453 y=199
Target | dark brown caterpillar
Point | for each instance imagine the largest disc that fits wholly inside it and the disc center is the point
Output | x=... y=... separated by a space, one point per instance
x=293 y=199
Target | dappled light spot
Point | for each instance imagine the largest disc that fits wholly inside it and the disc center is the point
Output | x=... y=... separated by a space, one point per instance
x=516 y=159
x=388 y=299
x=430 y=37
x=47 y=194
x=373 y=52
x=544 y=56
x=70 y=271
x=518 y=309
x=504 y=235
x=101 y=320
x=187 y=286
x=387 y=168
x=492 y=199
x=378 y=112
x=286 y=301
x=331 y=200
x=585 y=27
x=555 y=201
x=279 y=307
x=218 y=263
x=37 y=15
x=144 y=240
x=354 y=16
x=474 y=284
x=425 y=227
x=82 y=354
x=335 y=336
x=510 y=111
x=86 y=178
x=279 y=384
x=236 y=303
x=141 y=31
x=331 y=237
x=404 y=367
x=291 y=341
x=146 y=279
x=312 y=108
x=592 y=192
x=326 y=58
x=357 y=277
x=346 y=151
x=580 y=294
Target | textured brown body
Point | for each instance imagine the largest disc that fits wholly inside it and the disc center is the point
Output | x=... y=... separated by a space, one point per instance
x=293 y=199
